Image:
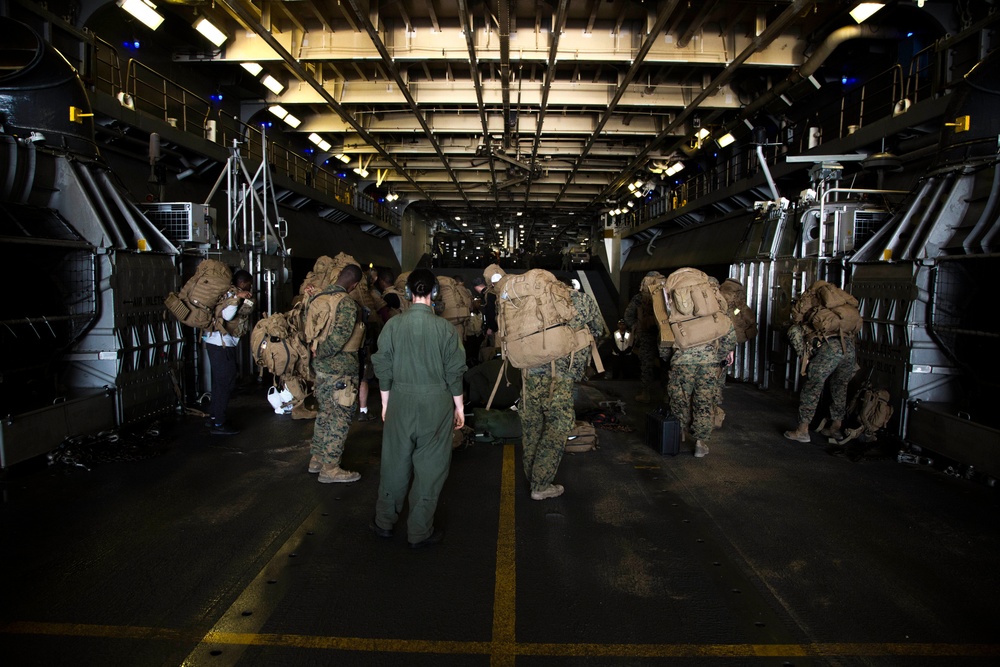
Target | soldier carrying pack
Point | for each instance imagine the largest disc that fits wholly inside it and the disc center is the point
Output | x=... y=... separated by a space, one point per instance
x=696 y=309
x=534 y=314
x=739 y=312
x=825 y=311
x=196 y=304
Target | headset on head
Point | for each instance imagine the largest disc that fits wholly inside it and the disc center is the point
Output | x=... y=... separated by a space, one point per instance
x=408 y=294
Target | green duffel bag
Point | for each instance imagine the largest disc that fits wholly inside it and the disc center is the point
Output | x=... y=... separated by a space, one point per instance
x=492 y=425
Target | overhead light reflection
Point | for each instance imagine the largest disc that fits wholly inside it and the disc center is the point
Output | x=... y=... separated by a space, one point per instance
x=212 y=33
x=143 y=10
x=865 y=10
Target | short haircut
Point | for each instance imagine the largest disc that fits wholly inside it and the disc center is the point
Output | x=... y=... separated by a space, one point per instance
x=386 y=275
x=242 y=277
x=421 y=282
x=349 y=274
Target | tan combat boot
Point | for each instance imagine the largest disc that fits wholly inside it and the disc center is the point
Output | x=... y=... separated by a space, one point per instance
x=302 y=412
x=332 y=473
x=801 y=434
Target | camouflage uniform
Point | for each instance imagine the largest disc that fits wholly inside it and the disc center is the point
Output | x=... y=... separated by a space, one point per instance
x=547 y=400
x=646 y=338
x=332 y=365
x=831 y=360
x=693 y=385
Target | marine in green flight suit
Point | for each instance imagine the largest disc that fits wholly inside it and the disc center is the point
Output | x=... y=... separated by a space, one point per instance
x=419 y=364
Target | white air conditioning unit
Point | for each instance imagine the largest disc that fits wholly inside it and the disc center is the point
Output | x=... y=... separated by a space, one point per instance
x=181 y=221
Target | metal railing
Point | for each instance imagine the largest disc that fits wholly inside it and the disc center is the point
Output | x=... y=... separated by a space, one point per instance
x=153 y=93
x=885 y=94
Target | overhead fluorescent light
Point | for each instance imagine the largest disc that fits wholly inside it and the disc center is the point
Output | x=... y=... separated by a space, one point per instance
x=361 y=171
x=144 y=10
x=315 y=138
x=726 y=139
x=272 y=84
x=675 y=168
x=324 y=146
x=253 y=68
x=278 y=111
x=702 y=133
x=292 y=121
x=865 y=10
x=208 y=29
x=343 y=158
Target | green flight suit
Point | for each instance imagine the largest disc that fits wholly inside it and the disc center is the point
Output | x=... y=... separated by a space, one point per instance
x=420 y=362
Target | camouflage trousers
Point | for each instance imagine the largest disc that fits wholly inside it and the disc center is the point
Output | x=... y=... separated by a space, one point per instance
x=829 y=361
x=693 y=390
x=546 y=420
x=647 y=348
x=333 y=420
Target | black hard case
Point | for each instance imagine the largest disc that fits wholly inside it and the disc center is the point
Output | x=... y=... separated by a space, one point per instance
x=663 y=431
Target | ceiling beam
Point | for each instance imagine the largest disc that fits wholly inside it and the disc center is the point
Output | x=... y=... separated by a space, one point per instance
x=467 y=27
x=757 y=43
x=365 y=21
x=654 y=34
x=241 y=10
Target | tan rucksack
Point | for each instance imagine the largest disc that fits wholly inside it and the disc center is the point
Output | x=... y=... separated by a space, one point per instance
x=456 y=300
x=534 y=310
x=274 y=345
x=654 y=298
x=325 y=272
x=739 y=312
x=874 y=410
x=582 y=437
x=696 y=309
x=826 y=310
x=320 y=315
x=195 y=304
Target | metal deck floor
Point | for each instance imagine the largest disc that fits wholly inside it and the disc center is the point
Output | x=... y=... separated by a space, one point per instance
x=224 y=551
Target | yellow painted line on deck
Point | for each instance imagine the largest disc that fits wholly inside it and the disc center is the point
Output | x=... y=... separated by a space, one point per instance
x=824 y=650
x=505 y=589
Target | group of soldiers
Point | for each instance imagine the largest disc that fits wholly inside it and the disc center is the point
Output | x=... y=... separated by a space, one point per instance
x=697 y=374
x=368 y=325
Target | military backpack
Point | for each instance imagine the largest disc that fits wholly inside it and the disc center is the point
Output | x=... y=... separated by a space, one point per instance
x=696 y=309
x=534 y=311
x=195 y=305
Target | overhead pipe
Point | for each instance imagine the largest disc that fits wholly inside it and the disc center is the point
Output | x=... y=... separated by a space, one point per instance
x=147 y=230
x=767 y=173
x=815 y=61
x=927 y=217
x=950 y=215
x=105 y=222
x=988 y=217
x=757 y=43
x=893 y=249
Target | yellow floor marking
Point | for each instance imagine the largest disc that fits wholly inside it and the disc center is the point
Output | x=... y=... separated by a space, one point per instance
x=505 y=590
x=503 y=649
x=827 y=650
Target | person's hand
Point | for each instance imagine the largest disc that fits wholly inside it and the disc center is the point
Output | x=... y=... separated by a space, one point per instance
x=730 y=358
x=310 y=290
x=459 y=418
